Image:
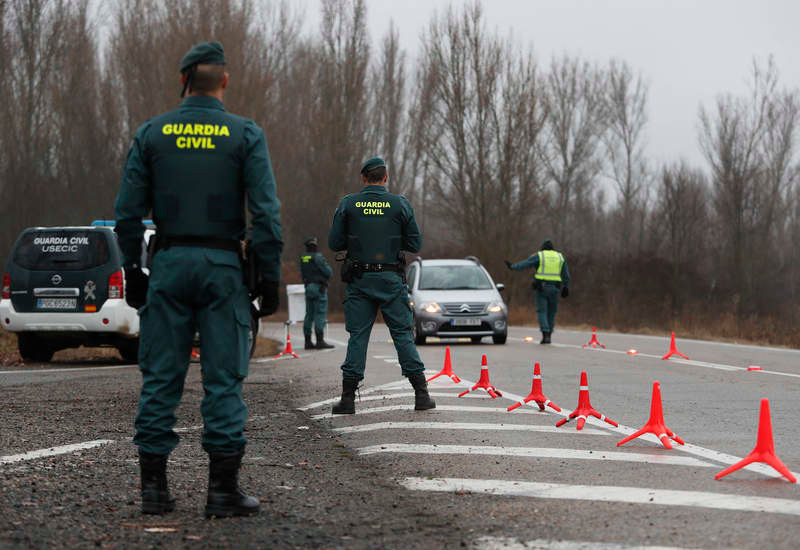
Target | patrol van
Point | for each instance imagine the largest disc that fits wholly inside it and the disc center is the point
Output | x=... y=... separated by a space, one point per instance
x=64 y=287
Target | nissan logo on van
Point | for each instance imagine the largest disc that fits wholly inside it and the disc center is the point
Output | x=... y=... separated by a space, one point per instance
x=56 y=280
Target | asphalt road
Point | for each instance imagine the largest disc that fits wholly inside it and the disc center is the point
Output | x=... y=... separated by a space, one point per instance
x=466 y=474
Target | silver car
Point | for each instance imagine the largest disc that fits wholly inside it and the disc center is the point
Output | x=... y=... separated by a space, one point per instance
x=455 y=299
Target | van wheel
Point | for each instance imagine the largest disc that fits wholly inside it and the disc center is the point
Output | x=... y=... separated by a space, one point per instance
x=499 y=338
x=252 y=338
x=129 y=351
x=32 y=348
x=419 y=339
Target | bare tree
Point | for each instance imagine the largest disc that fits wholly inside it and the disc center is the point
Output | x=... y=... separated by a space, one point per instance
x=485 y=116
x=576 y=124
x=626 y=108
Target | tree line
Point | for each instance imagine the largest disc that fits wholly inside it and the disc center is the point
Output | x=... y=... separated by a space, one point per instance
x=495 y=147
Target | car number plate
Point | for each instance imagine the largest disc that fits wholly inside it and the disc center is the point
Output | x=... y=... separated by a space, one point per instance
x=57 y=303
x=465 y=322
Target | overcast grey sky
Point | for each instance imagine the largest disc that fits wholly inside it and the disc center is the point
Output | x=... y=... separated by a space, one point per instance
x=689 y=50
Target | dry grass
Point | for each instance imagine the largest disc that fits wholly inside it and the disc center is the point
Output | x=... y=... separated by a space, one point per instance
x=265 y=347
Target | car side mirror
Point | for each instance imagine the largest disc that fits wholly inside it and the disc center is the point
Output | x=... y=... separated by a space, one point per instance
x=500 y=287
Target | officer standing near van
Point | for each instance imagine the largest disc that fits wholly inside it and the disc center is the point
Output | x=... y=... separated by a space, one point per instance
x=550 y=277
x=193 y=167
x=315 y=272
x=373 y=226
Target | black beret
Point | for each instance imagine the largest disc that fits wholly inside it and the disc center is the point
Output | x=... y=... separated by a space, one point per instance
x=204 y=53
x=374 y=162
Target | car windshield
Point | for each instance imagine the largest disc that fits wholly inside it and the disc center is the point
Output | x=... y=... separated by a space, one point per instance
x=453 y=277
x=65 y=250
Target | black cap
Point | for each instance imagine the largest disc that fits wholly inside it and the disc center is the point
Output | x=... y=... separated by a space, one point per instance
x=204 y=53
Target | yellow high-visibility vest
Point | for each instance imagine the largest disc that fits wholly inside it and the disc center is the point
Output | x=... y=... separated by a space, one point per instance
x=550 y=264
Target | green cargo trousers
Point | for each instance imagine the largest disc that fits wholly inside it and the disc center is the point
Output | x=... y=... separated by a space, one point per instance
x=316 y=309
x=363 y=297
x=192 y=289
x=547 y=306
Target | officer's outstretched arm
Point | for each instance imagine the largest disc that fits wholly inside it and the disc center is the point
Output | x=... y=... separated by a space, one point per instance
x=337 y=236
x=532 y=261
x=263 y=203
x=133 y=201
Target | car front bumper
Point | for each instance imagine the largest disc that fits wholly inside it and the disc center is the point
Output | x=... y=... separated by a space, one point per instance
x=443 y=325
x=115 y=316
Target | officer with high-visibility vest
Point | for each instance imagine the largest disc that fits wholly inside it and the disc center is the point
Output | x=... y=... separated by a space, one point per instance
x=315 y=272
x=551 y=276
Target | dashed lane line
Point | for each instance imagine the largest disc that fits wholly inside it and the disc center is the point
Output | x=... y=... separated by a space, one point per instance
x=410 y=408
x=461 y=426
x=607 y=493
x=533 y=452
x=511 y=543
x=54 y=451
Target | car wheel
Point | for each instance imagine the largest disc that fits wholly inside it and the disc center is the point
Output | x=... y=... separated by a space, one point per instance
x=32 y=348
x=499 y=338
x=252 y=337
x=129 y=350
x=475 y=339
x=419 y=339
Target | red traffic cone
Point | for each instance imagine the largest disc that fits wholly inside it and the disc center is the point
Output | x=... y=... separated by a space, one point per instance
x=536 y=393
x=288 y=349
x=584 y=408
x=594 y=342
x=764 y=450
x=673 y=349
x=447 y=370
x=483 y=382
x=655 y=425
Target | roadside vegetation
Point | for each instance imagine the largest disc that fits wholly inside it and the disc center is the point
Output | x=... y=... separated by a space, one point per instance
x=496 y=147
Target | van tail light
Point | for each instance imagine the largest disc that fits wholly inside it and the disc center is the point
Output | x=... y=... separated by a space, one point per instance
x=6 y=286
x=115 y=285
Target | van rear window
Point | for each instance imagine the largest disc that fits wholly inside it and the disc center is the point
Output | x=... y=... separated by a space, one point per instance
x=63 y=250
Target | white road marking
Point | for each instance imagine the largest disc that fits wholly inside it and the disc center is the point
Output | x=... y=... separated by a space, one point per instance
x=410 y=408
x=54 y=451
x=461 y=426
x=607 y=493
x=533 y=452
x=79 y=369
x=511 y=543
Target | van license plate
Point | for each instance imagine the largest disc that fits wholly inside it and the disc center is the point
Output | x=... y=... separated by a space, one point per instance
x=468 y=322
x=57 y=303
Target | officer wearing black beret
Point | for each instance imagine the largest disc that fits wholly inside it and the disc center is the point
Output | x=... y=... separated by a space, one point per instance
x=315 y=272
x=194 y=168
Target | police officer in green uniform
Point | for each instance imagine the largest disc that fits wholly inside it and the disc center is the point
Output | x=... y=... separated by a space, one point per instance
x=373 y=226
x=551 y=276
x=315 y=272
x=193 y=167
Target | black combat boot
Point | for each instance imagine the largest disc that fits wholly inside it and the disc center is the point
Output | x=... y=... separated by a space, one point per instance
x=545 y=338
x=347 y=405
x=321 y=343
x=422 y=399
x=155 y=492
x=225 y=499
x=309 y=343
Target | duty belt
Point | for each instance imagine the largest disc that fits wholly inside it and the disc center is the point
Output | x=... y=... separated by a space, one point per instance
x=377 y=268
x=220 y=243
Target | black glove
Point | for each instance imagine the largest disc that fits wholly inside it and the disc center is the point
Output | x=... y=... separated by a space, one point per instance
x=564 y=292
x=269 y=292
x=136 y=283
x=508 y=264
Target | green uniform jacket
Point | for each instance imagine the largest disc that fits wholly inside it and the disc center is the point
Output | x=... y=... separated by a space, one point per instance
x=314 y=268
x=374 y=226
x=174 y=168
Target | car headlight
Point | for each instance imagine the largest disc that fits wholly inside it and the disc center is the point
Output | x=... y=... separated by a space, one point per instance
x=495 y=307
x=431 y=307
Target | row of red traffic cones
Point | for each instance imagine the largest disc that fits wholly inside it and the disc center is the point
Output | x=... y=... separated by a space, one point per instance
x=673 y=348
x=764 y=450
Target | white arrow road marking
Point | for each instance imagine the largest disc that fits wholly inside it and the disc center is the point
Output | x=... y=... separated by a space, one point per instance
x=511 y=543
x=533 y=452
x=607 y=493
x=462 y=426
x=410 y=408
x=54 y=451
